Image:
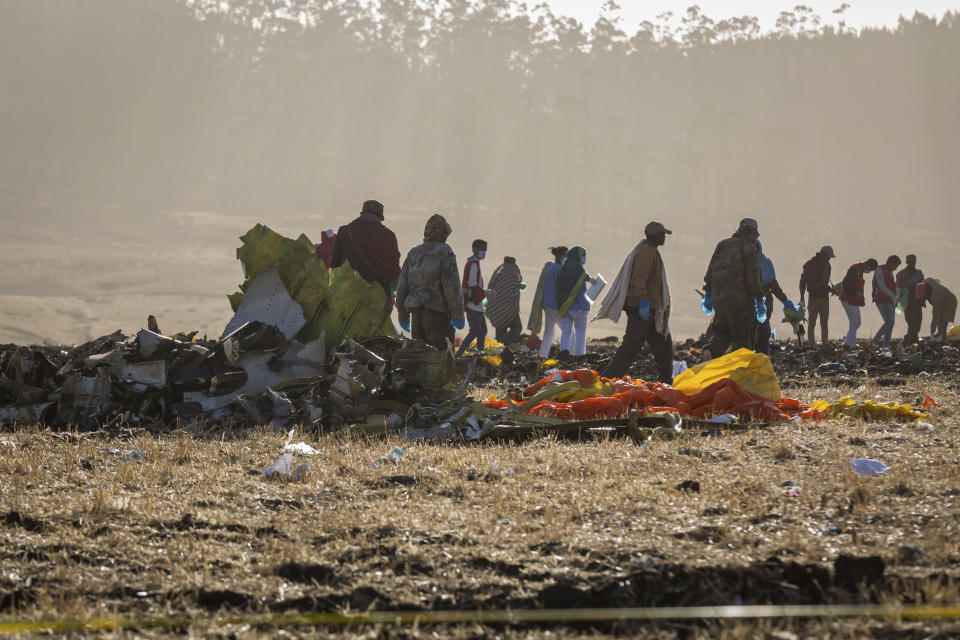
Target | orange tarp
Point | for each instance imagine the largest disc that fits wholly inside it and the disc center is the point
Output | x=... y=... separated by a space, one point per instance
x=615 y=398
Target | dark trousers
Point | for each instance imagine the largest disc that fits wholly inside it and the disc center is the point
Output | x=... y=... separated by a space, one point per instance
x=736 y=328
x=433 y=327
x=913 y=314
x=636 y=335
x=510 y=333
x=763 y=337
x=478 y=331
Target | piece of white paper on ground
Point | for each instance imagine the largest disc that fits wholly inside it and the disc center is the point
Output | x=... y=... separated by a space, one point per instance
x=301 y=447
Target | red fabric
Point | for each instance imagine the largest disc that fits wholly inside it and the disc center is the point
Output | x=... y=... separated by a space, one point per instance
x=887 y=274
x=723 y=396
x=325 y=249
x=376 y=246
x=852 y=291
x=472 y=294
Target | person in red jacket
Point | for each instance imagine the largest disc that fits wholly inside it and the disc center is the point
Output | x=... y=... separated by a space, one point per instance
x=816 y=279
x=325 y=249
x=369 y=247
x=473 y=295
x=852 y=297
x=885 y=297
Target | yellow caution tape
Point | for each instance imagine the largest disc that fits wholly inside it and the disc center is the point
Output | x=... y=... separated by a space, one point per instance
x=924 y=612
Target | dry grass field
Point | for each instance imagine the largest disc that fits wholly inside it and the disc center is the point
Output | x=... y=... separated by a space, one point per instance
x=193 y=528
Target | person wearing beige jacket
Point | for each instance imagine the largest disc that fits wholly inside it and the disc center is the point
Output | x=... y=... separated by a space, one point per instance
x=641 y=291
x=944 y=305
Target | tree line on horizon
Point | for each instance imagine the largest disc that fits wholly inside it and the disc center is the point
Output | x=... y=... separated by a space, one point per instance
x=483 y=104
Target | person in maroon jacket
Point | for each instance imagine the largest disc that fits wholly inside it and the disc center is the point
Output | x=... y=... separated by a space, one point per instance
x=369 y=247
x=885 y=297
x=325 y=249
x=852 y=297
x=816 y=279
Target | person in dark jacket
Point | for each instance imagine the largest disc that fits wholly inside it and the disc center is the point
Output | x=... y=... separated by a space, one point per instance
x=369 y=247
x=852 y=297
x=907 y=280
x=816 y=279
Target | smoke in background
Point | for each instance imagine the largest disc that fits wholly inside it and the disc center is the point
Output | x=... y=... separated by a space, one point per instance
x=141 y=137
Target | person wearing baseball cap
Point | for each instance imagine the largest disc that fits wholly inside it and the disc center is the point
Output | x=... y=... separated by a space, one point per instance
x=369 y=247
x=641 y=291
x=815 y=278
x=907 y=280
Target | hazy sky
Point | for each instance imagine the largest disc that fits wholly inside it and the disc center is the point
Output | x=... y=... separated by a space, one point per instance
x=861 y=13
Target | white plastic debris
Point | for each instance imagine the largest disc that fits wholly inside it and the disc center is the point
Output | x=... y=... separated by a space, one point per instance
x=868 y=467
x=301 y=447
x=283 y=468
x=724 y=418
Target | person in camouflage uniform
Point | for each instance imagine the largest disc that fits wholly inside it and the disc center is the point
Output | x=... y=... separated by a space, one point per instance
x=733 y=283
x=429 y=288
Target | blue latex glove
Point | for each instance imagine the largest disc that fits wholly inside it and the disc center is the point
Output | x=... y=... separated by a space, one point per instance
x=761 y=311
x=707 y=303
x=458 y=324
x=405 y=326
x=643 y=310
x=789 y=304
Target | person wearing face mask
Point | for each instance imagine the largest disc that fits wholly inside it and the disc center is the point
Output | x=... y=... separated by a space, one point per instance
x=543 y=313
x=473 y=296
x=641 y=291
x=571 y=291
x=732 y=287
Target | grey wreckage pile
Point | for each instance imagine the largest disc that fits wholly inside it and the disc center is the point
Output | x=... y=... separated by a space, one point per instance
x=307 y=345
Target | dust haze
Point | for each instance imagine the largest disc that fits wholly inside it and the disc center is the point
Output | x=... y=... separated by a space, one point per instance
x=140 y=138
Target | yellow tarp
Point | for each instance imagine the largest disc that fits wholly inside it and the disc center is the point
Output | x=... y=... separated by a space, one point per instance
x=954 y=333
x=868 y=410
x=752 y=371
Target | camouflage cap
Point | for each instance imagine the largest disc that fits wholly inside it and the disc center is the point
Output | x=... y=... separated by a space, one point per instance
x=437 y=229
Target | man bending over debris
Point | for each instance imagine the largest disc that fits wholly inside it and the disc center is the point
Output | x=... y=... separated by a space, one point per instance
x=429 y=288
x=732 y=286
x=944 y=305
x=852 y=296
x=369 y=247
x=885 y=297
x=641 y=291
